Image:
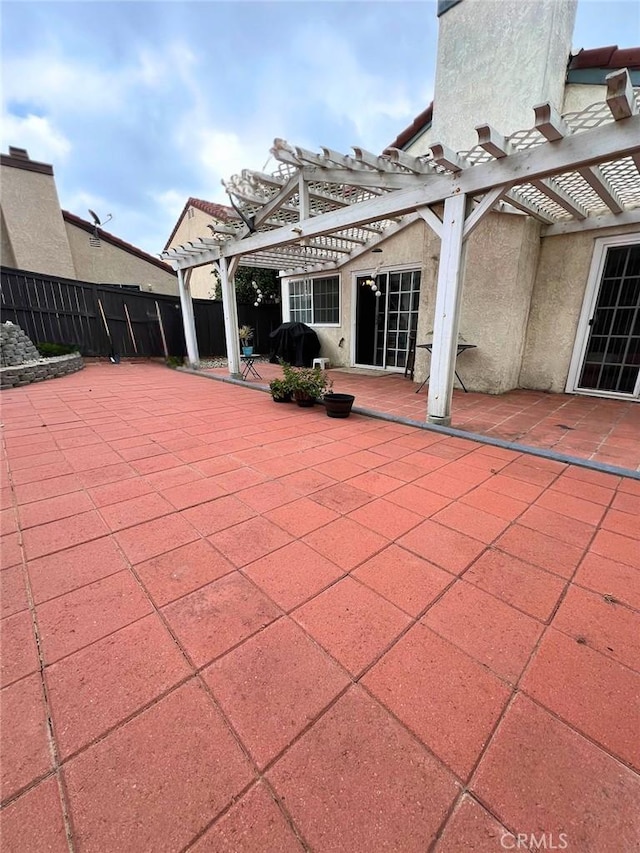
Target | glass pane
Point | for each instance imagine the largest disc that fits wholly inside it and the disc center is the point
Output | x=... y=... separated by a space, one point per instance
x=326 y=300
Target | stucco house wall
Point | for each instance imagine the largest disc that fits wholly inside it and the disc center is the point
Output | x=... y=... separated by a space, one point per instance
x=111 y=264
x=31 y=221
x=556 y=303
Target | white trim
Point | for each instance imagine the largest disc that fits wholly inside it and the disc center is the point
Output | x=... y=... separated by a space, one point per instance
x=601 y=244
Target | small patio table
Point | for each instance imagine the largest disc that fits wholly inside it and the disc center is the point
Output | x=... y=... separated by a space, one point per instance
x=461 y=348
x=248 y=365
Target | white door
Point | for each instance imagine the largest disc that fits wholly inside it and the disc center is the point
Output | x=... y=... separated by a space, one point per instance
x=606 y=359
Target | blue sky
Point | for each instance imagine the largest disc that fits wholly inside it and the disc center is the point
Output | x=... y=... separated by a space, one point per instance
x=139 y=105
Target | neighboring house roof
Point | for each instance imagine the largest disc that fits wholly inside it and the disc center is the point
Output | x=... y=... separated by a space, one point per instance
x=583 y=67
x=18 y=158
x=219 y=212
x=606 y=57
x=72 y=219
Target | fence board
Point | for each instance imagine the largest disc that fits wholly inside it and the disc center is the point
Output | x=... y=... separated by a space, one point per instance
x=66 y=311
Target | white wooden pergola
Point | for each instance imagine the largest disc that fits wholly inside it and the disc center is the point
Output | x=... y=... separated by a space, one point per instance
x=316 y=212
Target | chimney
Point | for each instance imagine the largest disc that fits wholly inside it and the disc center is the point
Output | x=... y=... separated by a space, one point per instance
x=496 y=60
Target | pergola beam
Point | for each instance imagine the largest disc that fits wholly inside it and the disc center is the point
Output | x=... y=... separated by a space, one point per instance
x=608 y=142
x=553 y=127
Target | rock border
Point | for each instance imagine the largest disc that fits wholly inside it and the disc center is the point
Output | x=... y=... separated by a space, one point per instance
x=38 y=371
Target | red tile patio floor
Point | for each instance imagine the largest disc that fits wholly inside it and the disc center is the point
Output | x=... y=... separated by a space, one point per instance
x=230 y=625
x=603 y=430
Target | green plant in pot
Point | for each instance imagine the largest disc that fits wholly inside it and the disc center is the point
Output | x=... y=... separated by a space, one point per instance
x=280 y=391
x=245 y=333
x=307 y=384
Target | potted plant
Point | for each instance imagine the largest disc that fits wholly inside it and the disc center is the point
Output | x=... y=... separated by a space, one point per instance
x=245 y=333
x=307 y=384
x=280 y=391
x=338 y=405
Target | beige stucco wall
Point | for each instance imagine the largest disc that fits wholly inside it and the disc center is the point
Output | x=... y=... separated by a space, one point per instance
x=501 y=264
x=513 y=52
x=556 y=304
x=109 y=264
x=7 y=258
x=192 y=227
x=33 y=221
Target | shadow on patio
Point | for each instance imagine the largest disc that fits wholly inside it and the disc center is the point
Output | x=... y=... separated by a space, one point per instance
x=605 y=431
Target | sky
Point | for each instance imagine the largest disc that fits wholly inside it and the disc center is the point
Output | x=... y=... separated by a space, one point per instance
x=139 y=105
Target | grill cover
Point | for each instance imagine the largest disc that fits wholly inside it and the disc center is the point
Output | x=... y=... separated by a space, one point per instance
x=295 y=343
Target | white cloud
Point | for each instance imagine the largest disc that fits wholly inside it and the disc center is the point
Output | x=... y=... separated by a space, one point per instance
x=38 y=135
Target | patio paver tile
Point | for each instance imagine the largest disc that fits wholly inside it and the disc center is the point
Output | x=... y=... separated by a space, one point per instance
x=216 y=515
x=155 y=782
x=273 y=686
x=35 y=821
x=495 y=634
x=519 y=584
x=248 y=541
x=495 y=503
x=58 y=535
x=404 y=579
x=13 y=593
x=301 y=516
x=218 y=616
x=386 y=518
x=450 y=549
x=528 y=779
x=561 y=527
x=33 y=475
x=81 y=617
x=617 y=547
x=571 y=506
x=607 y=626
x=127 y=513
x=23 y=736
x=194 y=492
x=358 y=781
x=254 y=823
x=607 y=577
x=447 y=699
x=541 y=550
x=107 y=474
x=101 y=685
x=418 y=500
x=472 y=828
x=342 y=497
x=625 y=523
x=471 y=521
x=293 y=574
x=345 y=542
x=266 y=496
x=153 y=538
x=64 y=571
x=352 y=622
x=183 y=570
x=124 y=490
x=19 y=650
x=587 y=690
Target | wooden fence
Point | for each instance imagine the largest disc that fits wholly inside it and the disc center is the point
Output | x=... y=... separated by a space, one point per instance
x=101 y=319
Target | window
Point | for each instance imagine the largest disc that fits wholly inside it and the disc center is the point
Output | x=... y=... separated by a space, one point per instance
x=315 y=301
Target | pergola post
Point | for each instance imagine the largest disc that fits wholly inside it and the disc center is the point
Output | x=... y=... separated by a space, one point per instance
x=188 y=320
x=230 y=310
x=447 y=313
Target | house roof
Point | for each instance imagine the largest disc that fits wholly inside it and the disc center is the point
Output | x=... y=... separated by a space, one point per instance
x=90 y=228
x=18 y=158
x=219 y=212
x=604 y=58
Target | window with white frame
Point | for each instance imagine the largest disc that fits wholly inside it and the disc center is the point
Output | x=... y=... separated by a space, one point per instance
x=315 y=301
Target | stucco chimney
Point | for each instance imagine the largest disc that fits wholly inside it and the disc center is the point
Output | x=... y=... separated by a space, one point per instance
x=496 y=60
